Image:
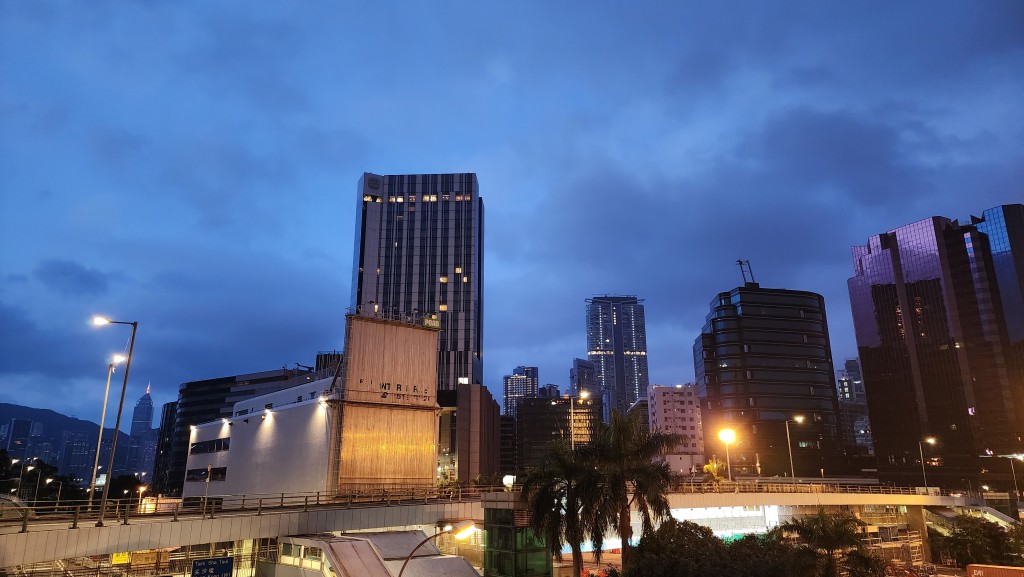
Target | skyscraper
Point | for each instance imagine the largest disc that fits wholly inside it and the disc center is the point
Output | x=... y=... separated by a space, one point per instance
x=522 y=383
x=935 y=304
x=419 y=253
x=676 y=410
x=582 y=377
x=762 y=359
x=854 y=424
x=145 y=438
x=617 y=345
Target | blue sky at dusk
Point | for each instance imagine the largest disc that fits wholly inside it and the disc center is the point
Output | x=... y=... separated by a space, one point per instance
x=193 y=166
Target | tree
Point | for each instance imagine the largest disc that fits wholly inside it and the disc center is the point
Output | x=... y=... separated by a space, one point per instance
x=713 y=473
x=677 y=549
x=827 y=534
x=973 y=540
x=562 y=496
x=859 y=563
x=632 y=476
x=758 y=556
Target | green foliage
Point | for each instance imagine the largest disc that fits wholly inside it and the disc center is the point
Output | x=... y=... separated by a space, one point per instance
x=563 y=497
x=713 y=473
x=631 y=477
x=973 y=540
x=684 y=549
x=828 y=534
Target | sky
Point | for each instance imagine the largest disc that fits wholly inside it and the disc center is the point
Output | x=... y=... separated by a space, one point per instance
x=193 y=166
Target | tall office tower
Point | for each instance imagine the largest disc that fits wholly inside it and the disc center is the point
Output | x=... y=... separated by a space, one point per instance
x=854 y=423
x=676 y=410
x=522 y=383
x=202 y=401
x=549 y=391
x=164 y=442
x=617 y=345
x=763 y=359
x=75 y=458
x=419 y=253
x=936 y=304
x=19 y=432
x=582 y=377
x=145 y=436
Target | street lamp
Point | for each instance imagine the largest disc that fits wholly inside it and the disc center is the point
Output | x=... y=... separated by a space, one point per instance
x=17 y=492
x=799 y=419
x=60 y=487
x=101 y=321
x=460 y=531
x=35 y=496
x=920 y=449
x=114 y=360
x=572 y=417
x=727 y=436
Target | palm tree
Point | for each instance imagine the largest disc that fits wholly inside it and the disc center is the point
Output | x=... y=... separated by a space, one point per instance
x=631 y=476
x=828 y=533
x=561 y=496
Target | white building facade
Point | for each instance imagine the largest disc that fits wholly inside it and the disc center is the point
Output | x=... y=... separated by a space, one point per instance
x=676 y=410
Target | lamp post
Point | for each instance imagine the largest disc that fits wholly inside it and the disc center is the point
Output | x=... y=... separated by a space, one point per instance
x=1014 y=473
x=799 y=419
x=727 y=436
x=115 y=360
x=17 y=492
x=920 y=449
x=572 y=417
x=35 y=495
x=100 y=321
x=460 y=531
x=60 y=487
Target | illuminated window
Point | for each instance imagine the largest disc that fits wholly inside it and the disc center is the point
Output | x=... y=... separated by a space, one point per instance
x=444 y=279
x=443 y=308
x=458 y=270
x=465 y=279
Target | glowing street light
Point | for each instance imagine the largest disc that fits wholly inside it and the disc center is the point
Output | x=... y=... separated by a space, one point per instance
x=461 y=532
x=727 y=436
x=114 y=361
x=101 y=321
x=799 y=419
x=920 y=449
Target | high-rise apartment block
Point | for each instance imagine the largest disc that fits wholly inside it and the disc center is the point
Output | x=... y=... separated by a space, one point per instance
x=419 y=255
x=938 y=309
x=617 y=345
x=582 y=377
x=520 y=384
x=854 y=422
x=762 y=360
x=676 y=410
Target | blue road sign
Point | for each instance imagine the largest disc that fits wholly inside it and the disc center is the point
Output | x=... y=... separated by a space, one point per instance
x=215 y=567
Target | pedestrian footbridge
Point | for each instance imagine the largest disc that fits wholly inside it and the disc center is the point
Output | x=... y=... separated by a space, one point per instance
x=44 y=535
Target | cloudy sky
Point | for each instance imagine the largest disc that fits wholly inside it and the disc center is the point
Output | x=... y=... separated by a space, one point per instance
x=193 y=166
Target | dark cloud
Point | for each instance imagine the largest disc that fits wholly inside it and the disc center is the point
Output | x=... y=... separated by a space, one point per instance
x=71 y=278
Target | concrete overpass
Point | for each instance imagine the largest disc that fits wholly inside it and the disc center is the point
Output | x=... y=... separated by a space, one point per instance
x=50 y=536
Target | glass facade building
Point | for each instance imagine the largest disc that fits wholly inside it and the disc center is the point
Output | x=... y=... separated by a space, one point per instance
x=935 y=305
x=762 y=359
x=522 y=383
x=419 y=254
x=617 y=346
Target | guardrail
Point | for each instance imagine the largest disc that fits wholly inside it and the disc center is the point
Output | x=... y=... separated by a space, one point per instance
x=125 y=510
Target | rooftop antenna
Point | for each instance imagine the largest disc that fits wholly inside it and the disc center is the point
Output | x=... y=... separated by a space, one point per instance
x=745 y=270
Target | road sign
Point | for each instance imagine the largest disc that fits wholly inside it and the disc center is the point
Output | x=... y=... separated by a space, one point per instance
x=215 y=567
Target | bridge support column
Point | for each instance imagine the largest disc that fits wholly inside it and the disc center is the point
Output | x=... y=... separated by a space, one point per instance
x=915 y=522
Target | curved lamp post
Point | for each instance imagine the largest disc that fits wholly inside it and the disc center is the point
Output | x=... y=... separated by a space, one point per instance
x=727 y=436
x=920 y=449
x=799 y=419
x=102 y=321
x=114 y=360
x=24 y=468
x=460 y=531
